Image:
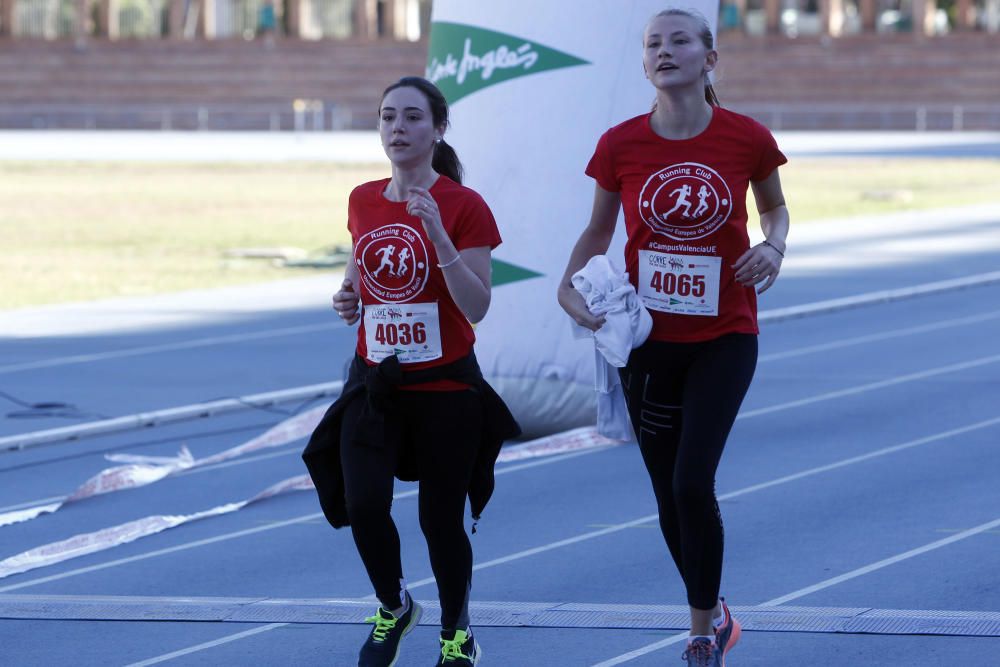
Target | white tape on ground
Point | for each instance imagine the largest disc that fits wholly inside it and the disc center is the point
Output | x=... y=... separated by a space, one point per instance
x=584 y=437
x=88 y=543
x=576 y=440
x=145 y=470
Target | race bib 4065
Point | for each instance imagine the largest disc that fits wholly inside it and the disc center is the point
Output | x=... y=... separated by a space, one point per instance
x=679 y=284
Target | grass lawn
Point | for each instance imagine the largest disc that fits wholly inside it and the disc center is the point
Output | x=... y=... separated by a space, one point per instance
x=73 y=232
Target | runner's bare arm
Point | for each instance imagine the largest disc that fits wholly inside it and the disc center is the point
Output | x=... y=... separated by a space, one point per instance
x=467 y=273
x=595 y=240
x=469 y=281
x=761 y=264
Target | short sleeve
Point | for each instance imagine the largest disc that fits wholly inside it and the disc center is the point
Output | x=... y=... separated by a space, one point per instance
x=476 y=227
x=352 y=221
x=769 y=156
x=601 y=166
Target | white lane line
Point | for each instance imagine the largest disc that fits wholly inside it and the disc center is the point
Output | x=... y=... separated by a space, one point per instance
x=881 y=384
x=24 y=440
x=561 y=543
x=833 y=581
x=831 y=305
x=859 y=389
x=162 y=552
x=639 y=652
x=974 y=319
x=879 y=297
x=207 y=645
x=32 y=503
x=579 y=538
x=886 y=335
x=405 y=494
x=165 y=347
x=853 y=574
x=734 y=494
x=865 y=457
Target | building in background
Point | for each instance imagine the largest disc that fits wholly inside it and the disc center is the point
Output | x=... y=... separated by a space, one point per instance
x=213 y=19
x=321 y=64
x=408 y=19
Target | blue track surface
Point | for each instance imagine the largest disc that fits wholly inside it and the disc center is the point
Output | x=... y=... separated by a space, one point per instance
x=868 y=440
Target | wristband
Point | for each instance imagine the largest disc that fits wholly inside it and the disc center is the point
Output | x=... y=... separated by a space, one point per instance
x=447 y=264
x=768 y=243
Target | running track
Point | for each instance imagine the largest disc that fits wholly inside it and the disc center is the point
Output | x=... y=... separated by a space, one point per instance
x=859 y=487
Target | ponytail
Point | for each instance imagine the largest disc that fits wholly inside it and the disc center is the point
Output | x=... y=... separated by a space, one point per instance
x=710 y=95
x=446 y=162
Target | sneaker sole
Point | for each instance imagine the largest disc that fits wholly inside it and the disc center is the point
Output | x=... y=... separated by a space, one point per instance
x=733 y=638
x=418 y=611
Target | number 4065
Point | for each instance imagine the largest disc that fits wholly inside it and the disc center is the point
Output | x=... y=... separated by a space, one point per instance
x=681 y=285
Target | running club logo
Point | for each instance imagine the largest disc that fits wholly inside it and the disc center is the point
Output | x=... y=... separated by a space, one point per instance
x=392 y=262
x=464 y=58
x=685 y=201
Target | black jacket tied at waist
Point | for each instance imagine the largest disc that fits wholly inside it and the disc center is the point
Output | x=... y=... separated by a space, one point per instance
x=378 y=424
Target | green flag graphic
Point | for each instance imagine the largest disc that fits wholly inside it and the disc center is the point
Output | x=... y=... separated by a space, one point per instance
x=464 y=58
x=504 y=273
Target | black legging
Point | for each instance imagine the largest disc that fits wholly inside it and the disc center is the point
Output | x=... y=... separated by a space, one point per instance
x=442 y=429
x=683 y=399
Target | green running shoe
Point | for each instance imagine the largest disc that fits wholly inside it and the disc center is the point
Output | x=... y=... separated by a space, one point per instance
x=382 y=647
x=459 y=649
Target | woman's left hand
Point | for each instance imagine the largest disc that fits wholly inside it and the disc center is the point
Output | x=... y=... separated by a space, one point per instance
x=760 y=264
x=422 y=205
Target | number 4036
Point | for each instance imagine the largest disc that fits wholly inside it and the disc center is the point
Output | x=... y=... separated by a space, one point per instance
x=681 y=285
x=401 y=334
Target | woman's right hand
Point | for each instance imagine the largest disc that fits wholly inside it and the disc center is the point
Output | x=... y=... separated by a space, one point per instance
x=576 y=307
x=345 y=302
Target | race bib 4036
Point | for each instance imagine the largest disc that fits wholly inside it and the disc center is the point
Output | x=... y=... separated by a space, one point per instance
x=411 y=331
x=679 y=284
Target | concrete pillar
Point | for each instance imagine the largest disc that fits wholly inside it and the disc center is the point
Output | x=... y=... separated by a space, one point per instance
x=923 y=17
x=103 y=28
x=6 y=18
x=868 y=10
x=293 y=17
x=175 y=19
x=964 y=14
x=80 y=22
x=365 y=19
x=832 y=17
x=388 y=19
x=772 y=13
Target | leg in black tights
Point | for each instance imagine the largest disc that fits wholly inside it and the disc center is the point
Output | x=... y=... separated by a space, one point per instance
x=446 y=432
x=368 y=483
x=683 y=399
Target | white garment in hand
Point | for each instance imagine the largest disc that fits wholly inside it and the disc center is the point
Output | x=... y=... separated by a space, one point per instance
x=627 y=324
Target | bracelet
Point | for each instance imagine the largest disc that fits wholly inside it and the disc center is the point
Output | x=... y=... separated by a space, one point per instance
x=768 y=243
x=447 y=264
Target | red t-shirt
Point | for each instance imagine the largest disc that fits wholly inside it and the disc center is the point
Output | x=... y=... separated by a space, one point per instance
x=406 y=307
x=686 y=219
